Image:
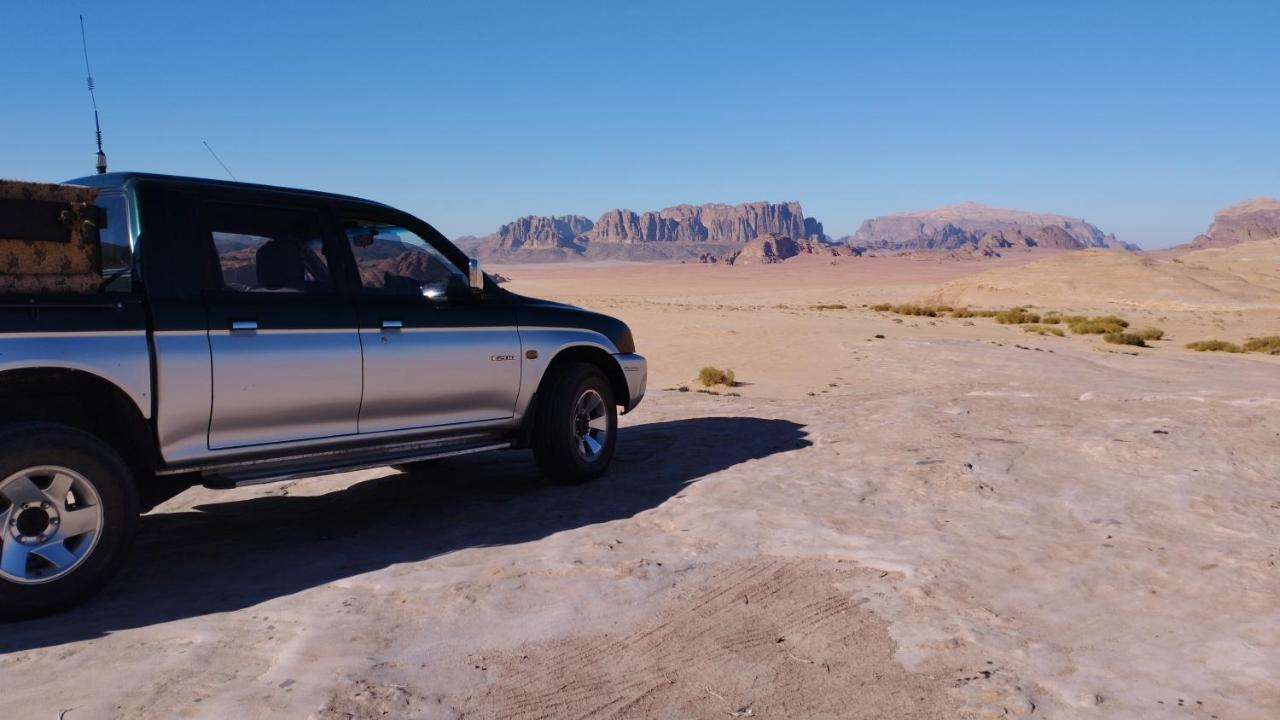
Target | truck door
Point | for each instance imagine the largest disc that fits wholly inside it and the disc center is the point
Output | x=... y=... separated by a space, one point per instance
x=434 y=354
x=284 y=345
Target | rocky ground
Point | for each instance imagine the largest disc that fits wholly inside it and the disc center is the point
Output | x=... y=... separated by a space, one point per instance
x=947 y=521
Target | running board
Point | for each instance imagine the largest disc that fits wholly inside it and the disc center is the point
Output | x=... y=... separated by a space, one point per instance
x=276 y=470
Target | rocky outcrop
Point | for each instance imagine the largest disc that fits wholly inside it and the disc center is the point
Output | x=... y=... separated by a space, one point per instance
x=967 y=225
x=774 y=248
x=712 y=223
x=538 y=232
x=1255 y=219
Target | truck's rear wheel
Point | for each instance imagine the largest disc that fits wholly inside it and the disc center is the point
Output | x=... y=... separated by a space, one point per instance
x=68 y=512
x=576 y=426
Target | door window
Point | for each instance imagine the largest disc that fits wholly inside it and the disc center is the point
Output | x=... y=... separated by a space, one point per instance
x=268 y=250
x=395 y=261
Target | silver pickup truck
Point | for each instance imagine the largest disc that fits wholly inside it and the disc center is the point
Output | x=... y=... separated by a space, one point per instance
x=233 y=334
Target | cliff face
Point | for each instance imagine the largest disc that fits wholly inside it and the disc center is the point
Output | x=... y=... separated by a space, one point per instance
x=538 y=232
x=713 y=223
x=774 y=248
x=622 y=234
x=957 y=227
x=1255 y=219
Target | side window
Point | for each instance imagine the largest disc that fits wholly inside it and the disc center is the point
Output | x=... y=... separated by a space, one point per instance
x=396 y=261
x=263 y=249
x=117 y=248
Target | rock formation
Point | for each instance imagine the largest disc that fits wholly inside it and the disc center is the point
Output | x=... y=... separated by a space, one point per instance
x=967 y=225
x=538 y=232
x=1255 y=219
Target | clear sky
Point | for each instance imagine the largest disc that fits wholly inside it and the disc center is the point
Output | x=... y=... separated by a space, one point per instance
x=1141 y=117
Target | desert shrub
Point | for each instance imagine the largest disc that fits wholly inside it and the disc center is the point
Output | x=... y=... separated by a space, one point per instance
x=1043 y=330
x=1112 y=320
x=828 y=306
x=919 y=310
x=710 y=376
x=1016 y=316
x=1124 y=338
x=1149 y=333
x=1214 y=346
x=1051 y=318
x=1269 y=344
x=986 y=313
x=1097 y=326
x=943 y=308
x=963 y=313
x=882 y=307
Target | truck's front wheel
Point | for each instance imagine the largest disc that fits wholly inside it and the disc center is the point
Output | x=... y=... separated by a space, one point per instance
x=68 y=512
x=576 y=425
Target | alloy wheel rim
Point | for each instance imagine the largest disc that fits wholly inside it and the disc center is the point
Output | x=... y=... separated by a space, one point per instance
x=590 y=425
x=50 y=521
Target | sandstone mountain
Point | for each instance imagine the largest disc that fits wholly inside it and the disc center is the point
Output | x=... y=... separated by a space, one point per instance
x=980 y=229
x=682 y=231
x=1254 y=219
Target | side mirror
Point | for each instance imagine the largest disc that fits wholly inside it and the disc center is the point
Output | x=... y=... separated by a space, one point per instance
x=476 y=277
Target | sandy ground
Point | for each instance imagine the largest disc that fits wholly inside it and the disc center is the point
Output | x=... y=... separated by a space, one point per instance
x=957 y=519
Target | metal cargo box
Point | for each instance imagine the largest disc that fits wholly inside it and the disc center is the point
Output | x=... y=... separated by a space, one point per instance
x=49 y=238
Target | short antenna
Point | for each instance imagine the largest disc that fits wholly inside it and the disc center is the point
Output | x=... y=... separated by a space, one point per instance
x=215 y=157
x=84 y=44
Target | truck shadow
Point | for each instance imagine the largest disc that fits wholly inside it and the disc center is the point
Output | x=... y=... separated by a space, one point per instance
x=228 y=556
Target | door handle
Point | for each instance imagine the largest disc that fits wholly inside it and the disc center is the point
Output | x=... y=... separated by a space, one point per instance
x=243 y=325
x=392 y=324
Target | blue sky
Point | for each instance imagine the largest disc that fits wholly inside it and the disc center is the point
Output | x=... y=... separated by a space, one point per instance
x=1142 y=117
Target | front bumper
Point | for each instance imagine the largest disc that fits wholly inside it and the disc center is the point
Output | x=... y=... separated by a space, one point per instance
x=636 y=370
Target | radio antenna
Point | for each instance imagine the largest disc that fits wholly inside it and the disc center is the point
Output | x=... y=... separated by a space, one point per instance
x=84 y=45
x=215 y=157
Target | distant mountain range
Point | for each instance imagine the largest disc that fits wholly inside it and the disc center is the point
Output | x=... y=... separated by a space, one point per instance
x=725 y=233
x=979 y=228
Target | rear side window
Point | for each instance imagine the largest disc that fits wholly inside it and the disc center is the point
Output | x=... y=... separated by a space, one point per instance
x=268 y=250
x=117 y=248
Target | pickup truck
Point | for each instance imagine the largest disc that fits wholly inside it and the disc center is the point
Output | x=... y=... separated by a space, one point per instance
x=235 y=334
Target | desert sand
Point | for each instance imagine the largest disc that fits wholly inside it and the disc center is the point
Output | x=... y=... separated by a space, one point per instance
x=890 y=516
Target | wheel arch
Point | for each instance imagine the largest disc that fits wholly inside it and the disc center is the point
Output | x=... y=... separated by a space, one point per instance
x=92 y=403
x=591 y=354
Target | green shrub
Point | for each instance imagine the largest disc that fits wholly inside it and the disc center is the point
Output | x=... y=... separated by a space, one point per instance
x=1043 y=330
x=1016 y=316
x=1214 y=346
x=710 y=376
x=1124 y=338
x=1269 y=344
x=1150 y=333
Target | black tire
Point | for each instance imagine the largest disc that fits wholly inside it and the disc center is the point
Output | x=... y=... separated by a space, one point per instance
x=555 y=437
x=35 y=444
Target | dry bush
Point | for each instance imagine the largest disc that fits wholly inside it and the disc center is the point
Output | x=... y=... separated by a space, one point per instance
x=1043 y=330
x=1269 y=344
x=882 y=307
x=711 y=376
x=986 y=313
x=1101 y=325
x=1150 y=333
x=1124 y=338
x=1016 y=316
x=919 y=310
x=1214 y=346
x=963 y=313
x=1051 y=318
x=829 y=306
